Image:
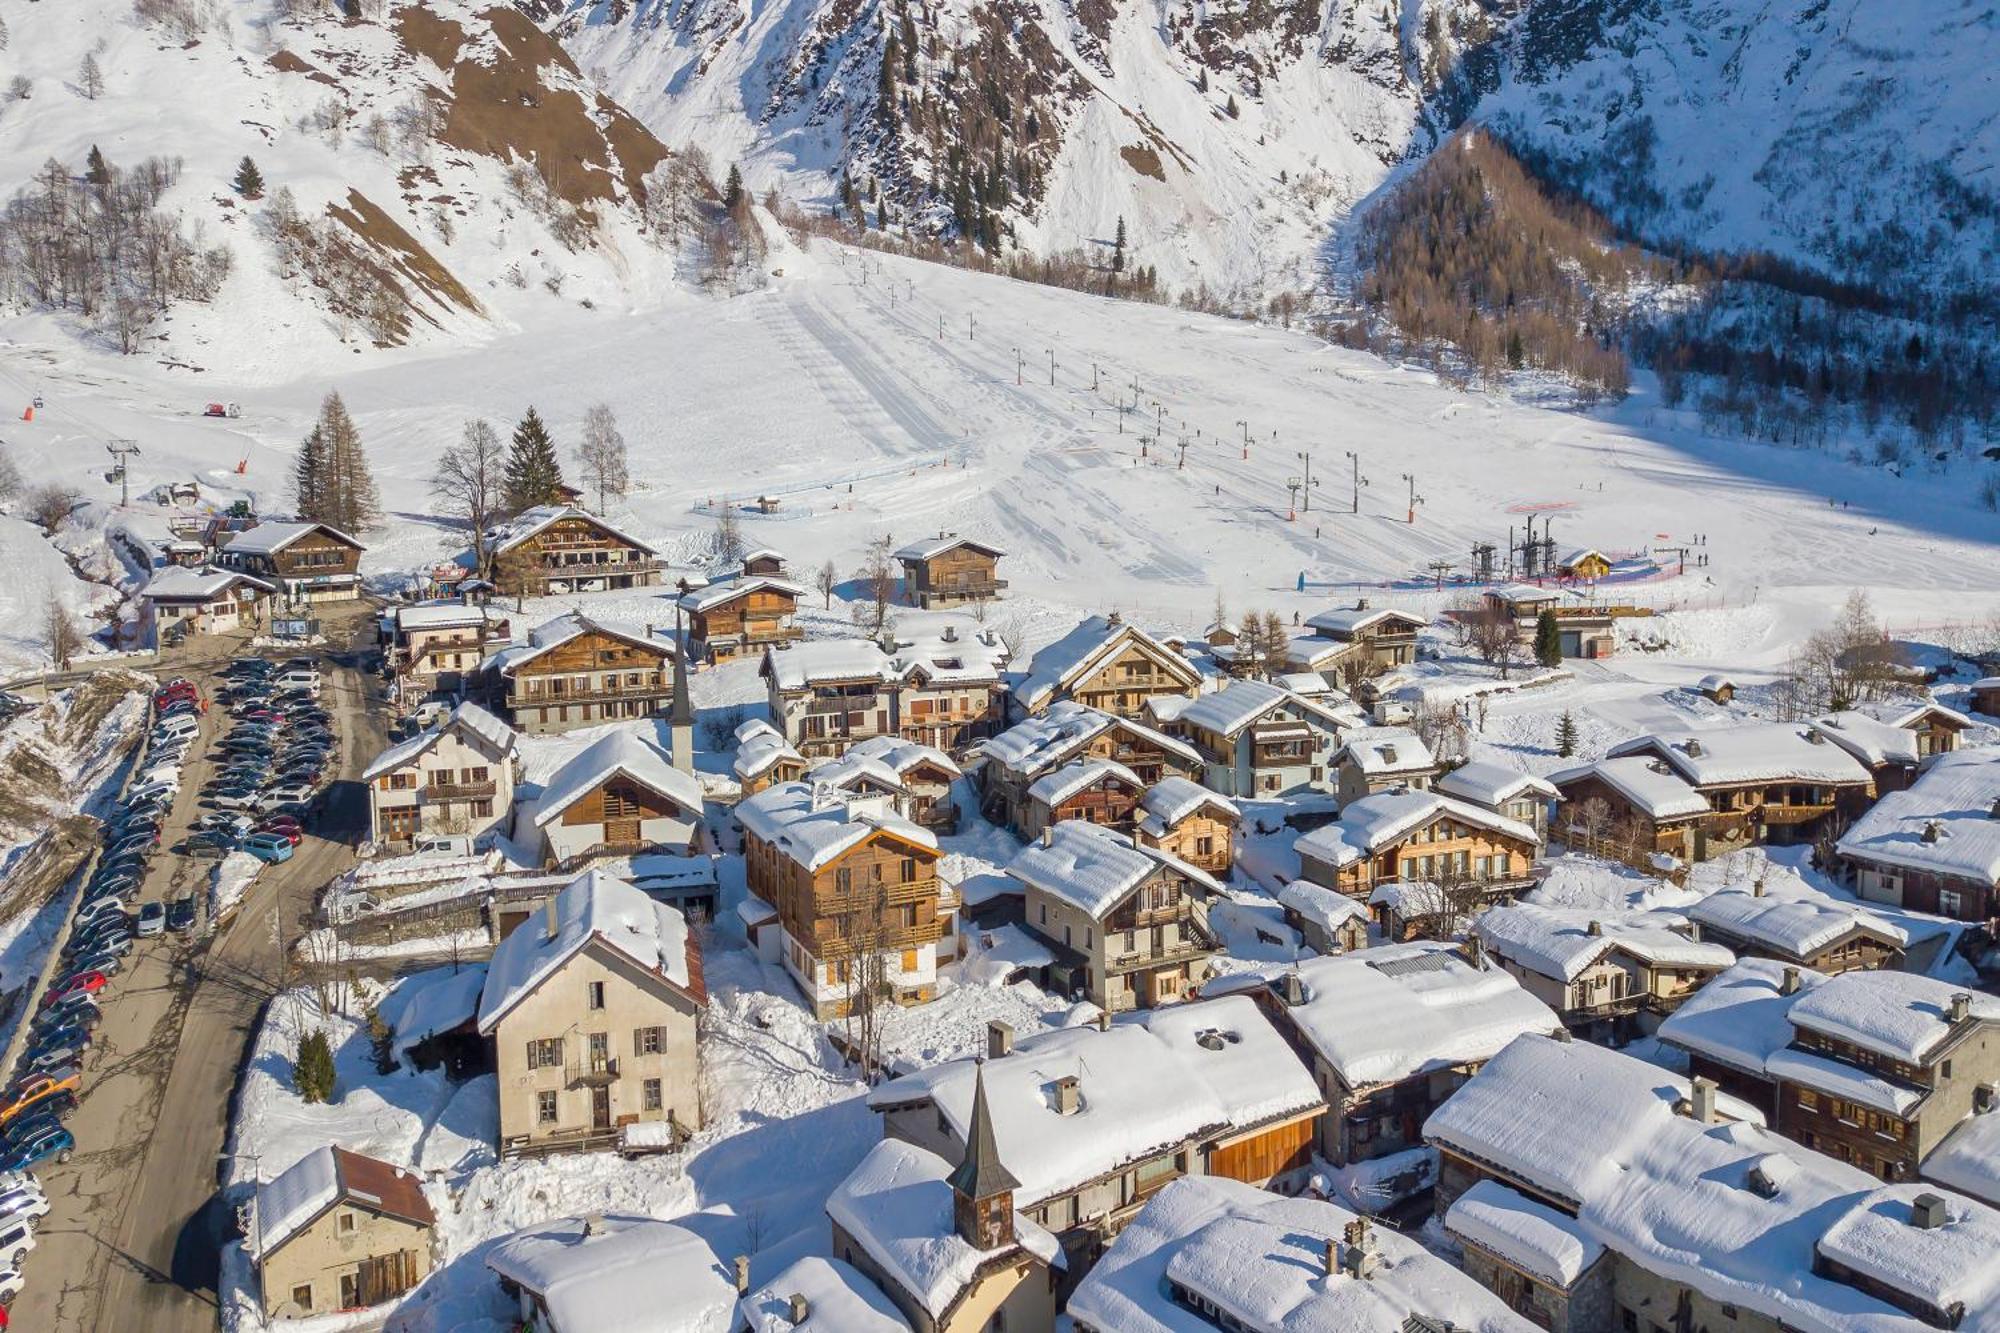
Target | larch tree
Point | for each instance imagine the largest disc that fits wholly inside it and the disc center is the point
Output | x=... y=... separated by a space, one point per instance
x=600 y=454
x=468 y=486
x=351 y=502
x=90 y=77
x=60 y=632
x=534 y=476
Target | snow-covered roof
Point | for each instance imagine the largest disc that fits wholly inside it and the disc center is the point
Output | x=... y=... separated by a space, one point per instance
x=1652 y=788
x=422 y=1005
x=1713 y=682
x=1081 y=650
x=760 y=747
x=1740 y=1018
x=177 y=583
x=1531 y=1236
x=445 y=615
x=1093 y=867
x=595 y=908
x=1878 y=1238
x=1796 y=927
x=897 y=1205
x=553 y=634
x=1150 y=1084
x=621 y=751
x=1259 y=1258
x=1323 y=907
x=503 y=537
x=803 y=665
x=1844 y=1081
x=1052 y=789
x=1558 y=943
x=1372 y=823
x=814 y=826
x=838 y=1300
x=1869 y=739
x=1956 y=803
x=1597 y=1130
x=1389 y=1013
x=934 y=547
x=619 y=1273
x=1581 y=554
x=467 y=719
x=1229 y=710
x=271 y=538
x=1969 y=1158
x=899 y=755
x=1524 y=593
x=1382 y=752
x=1898 y=1014
x=1750 y=752
x=1049 y=738
x=1483 y=782
x=721 y=594
x=1348 y=621
x=1172 y=799
x=303 y=1191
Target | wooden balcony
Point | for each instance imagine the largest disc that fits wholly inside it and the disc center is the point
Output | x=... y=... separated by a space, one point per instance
x=517 y=698
x=591 y=1072
x=460 y=791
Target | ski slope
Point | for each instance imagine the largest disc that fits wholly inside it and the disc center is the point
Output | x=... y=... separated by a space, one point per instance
x=879 y=396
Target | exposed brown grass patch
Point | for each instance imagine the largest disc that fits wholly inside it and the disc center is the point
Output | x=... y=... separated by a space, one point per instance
x=1143 y=160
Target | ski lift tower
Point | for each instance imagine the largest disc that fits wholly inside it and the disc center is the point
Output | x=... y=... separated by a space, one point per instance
x=122 y=450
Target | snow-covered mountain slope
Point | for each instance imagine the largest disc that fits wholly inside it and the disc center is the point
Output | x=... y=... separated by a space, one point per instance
x=431 y=173
x=1229 y=137
x=1858 y=138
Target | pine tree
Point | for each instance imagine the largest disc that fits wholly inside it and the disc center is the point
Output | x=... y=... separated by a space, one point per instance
x=1232 y=108
x=732 y=193
x=249 y=181
x=310 y=474
x=1118 y=247
x=1548 y=639
x=534 y=476
x=312 y=1068
x=1566 y=735
x=95 y=169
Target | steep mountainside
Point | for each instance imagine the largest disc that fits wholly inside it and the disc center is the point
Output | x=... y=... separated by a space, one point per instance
x=1228 y=136
x=429 y=172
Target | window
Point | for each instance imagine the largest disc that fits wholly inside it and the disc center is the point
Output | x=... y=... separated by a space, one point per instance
x=596 y=995
x=600 y=1049
x=344 y=1224
x=843 y=879
x=909 y=961
x=648 y=1041
x=302 y=1296
x=909 y=870
x=545 y=1053
x=1808 y=1099
x=649 y=1095
x=350 y=1290
x=545 y=1108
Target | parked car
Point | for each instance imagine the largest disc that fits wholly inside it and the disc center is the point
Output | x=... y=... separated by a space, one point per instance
x=76 y=983
x=290 y=793
x=25 y=1203
x=239 y=798
x=283 y=827
x=209 y=843
x=104 y=910
x=270 y=848
x=153 y=919
x=180 y=914
x=50 y=1140
x=16 y=1236
x=149 y=790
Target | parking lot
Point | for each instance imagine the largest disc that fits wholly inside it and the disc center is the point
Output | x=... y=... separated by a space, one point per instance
x=134 y=1227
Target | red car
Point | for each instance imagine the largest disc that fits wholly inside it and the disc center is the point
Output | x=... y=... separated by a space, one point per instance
x=287 y=828
x=87 y=983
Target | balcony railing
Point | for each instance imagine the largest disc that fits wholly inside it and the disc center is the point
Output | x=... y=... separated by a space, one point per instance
x=556 y=563
x=460 y=791
x=592 y=1071
x=533 y=698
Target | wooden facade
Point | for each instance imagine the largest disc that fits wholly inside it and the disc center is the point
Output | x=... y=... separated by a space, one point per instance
x=311 y=563
x=571 y=552
x=593 y=677
x=1204 y=839
x=950 y=573
x=739 y=618
x=1004 y=790
x=1441 y=847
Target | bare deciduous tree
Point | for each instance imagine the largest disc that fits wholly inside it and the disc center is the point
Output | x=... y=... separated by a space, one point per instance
x=50 y=503
x=60 y=632
x=877 y=577
x=467 y=486
x=729 y=543
x=600 y=454
x=825 y=581
x=90 y=77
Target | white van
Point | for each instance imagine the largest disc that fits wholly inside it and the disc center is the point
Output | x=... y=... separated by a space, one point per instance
x=297 y=679
x=176 y=727
x=443 y=844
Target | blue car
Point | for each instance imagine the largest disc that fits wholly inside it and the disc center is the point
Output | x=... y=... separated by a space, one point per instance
x=36 y=1144
x=268 y=847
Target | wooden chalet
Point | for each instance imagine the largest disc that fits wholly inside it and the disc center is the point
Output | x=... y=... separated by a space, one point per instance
x=764 y=562
x=179 y=601
x=916 y=778
x=1985 y=696
x=1357 y=641
x=1188 y=820
x=577 y=672
x=1585 y=562
x=1934 y=847
x=950 y=570
x=1420 y=838
x=741 y=615
x=1096 y=791
x=307 y=563
x=1013 y=761
x=1894 y=739
x=619 y=796
x=1584 y=629
x=554 y=550
x=855 y=888
x=1106 y=664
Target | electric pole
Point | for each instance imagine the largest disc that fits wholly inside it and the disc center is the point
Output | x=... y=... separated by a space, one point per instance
x=1306 y=486
x=1052 y=367
x=122 y=450
x=1355 y=459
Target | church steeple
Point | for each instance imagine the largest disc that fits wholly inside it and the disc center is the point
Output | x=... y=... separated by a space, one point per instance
x=982 y=1188
x=680 y=718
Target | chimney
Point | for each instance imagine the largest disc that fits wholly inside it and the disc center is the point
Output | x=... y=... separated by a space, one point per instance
x=1927 y=1211
x=550 y=926
x=1961 y=1008
x=1359 y=1253
x=1475 y=950
x=1814 y=736
x=1115 y=618
x=593 y=1224
x=1596 y=928
x=999 y=1039
x=1693 y=748
x=1330 y=1263
x=742 y=1275
x=1994 y=812
x=1103 y=1020
x=1361 y=604
x=1292 y=989
x=1932 y=829
x=1790 y=984
x=1702 y=1101
x=1049 y=835
x=950 y=634
x=1692 y=929
x=801 y=1309
x=1069 y=1095
x=1757 y=887
x=1561 y=1034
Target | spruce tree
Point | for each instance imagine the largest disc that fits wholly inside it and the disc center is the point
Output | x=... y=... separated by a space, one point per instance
x=95 y=169
x=732 y=192
x=534 y=476
x=312 y=1068
x=249 y=181
x=1548 y=639
x=1231 y=108
x=1118 y=247
x=310 y=475
x=1566 y=735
